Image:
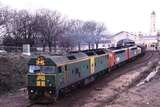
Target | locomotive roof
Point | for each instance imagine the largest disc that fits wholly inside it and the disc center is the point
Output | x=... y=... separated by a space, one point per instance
x=69 y=58
x=121 y=48
x=58 y=60
x=132 y=47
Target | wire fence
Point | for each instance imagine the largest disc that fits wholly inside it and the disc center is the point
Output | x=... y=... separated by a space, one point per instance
x=33 y=50
x=57 y=51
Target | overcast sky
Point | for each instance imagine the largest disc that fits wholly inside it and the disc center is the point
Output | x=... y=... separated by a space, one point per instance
x=118 y=15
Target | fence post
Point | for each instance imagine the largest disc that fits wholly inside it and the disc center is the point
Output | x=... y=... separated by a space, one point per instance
x=26 y=49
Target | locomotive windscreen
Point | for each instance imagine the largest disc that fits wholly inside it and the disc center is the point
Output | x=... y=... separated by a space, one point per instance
x=44 y=69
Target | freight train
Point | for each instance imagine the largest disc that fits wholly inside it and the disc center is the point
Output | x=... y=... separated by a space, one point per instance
x=49 y=76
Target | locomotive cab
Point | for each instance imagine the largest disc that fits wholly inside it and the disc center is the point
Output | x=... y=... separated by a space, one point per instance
x=41 y=78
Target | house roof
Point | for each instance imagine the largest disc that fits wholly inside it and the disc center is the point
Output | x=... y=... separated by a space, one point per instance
x=122 y=32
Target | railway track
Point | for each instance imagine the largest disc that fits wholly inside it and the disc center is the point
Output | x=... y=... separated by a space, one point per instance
x=143 y=61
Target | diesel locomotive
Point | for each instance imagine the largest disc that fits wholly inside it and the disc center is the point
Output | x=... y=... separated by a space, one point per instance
x=49 y=76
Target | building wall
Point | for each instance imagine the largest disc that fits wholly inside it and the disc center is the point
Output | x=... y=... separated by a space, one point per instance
x=124 y=35
x=138 y=38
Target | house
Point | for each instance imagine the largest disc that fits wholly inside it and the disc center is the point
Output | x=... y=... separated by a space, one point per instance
x=124 y=35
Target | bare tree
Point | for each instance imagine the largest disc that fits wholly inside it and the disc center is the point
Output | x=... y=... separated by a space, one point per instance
x=89 y=29
x=5 y=16
x=50 y=26
x=89 y=32
x=75 y=32
x=100 y=30
x=21 y=28
x=93 y=32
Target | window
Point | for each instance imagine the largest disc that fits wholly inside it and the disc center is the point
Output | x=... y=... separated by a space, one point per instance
x=65 y=67
x=59 y=69
x=48 y=69
x=121 y=51
x=44 y=69
x=87 y=66
x=77 y=70
x=90 y=53
x=71 y=57
x=133 y=48
x=99 y=52
x=33 y=68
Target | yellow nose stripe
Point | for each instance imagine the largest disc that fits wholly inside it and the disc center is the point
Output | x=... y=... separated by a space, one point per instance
x=40 y=79
x=38 y=83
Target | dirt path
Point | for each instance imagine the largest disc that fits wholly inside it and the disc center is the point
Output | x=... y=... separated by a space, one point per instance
x=147 y=95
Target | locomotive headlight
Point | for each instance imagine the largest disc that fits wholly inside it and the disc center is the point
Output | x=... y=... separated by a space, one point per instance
x=50 y=92
x=50 y=84
x=32 y=91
